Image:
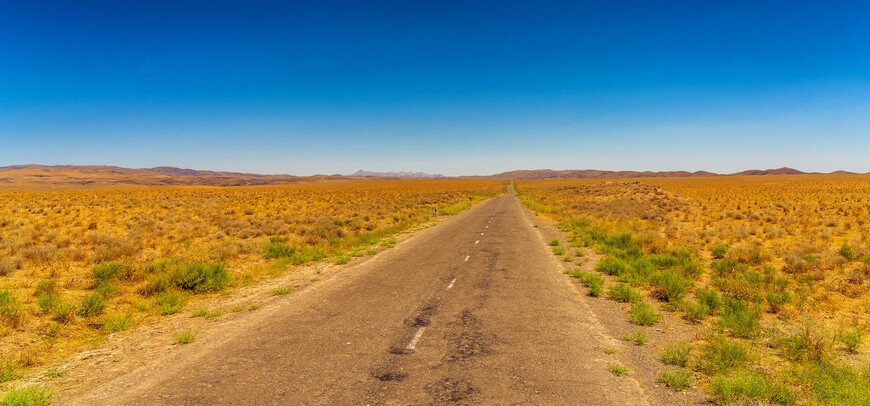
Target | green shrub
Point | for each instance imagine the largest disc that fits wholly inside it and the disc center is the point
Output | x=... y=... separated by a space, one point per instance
x=595 y=284
x=558 y=250
x=106 y=289
x=835 y=385
x=186 y=337
x=47 y=301
x=719 y=251
x=282 y=290
x=9 y=307
x=643 y=314
x=677 y=354
x=92 y=305
x=29 y=396
x=721 y=354
x=554 y=242
x=118 y=323
x=777 y=299
x=695 y=311
x=623 y=293
x=677 y=379
x=618 y=369
x=201 y=277
x=611 y=266
x=852 y=338
x=749 y=387
x=63 y=312
x=740 y=318
x=728 y=267
x=670 y=286
x=107 y=271
x=638 y=337
x=169 y=302
x=846 y=252
x=709 y=298
x=9 y=371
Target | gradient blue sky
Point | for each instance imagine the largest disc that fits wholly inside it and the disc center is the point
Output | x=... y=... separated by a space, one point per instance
x=451 y=87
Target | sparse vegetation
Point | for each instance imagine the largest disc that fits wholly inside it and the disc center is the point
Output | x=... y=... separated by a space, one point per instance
x=677 y=379
x=618 y=369
x=282 y=290
x=638 y=337
x=677 y=354
x=29 y=396
x=643 y=314
x=748 y=258
x=70 y=259
x=186 y=337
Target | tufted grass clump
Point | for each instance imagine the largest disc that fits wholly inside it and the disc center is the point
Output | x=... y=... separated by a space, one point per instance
x=677 y=354
x=621 y=292
x=643 y=314
x=30 y=396
x=678 y=379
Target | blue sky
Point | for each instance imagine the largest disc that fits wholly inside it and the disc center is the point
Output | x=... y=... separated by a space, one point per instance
x=450 y=87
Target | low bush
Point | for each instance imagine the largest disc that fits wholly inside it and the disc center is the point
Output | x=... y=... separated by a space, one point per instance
x=719 y=251
x=835 y=385
x=852 y=338
x=623 y=293
x=677 y=354
x=669 y=286
x=107 y=271
x=92 y=305
x=618 y=369
x=721 y=354
x=749 y=387
x=709 y=298
x=695 y=311
x=638 y=337
x=677 y=379
x=169 y=302
x=643 y=314
x=29 y=396
x=611 y=266
x=740 y=318
x=197 y=277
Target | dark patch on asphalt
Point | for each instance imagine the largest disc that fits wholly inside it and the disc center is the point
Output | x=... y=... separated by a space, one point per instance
x=451 y=391
x=401 y=350
x=422 y=316
x=467 y=339
x=390 y=376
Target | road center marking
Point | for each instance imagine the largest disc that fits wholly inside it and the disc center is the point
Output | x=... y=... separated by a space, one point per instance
x=481 y=233
x=451 y=283
x=486 y=227
x=466 y=257
x=416 y=338
x=475 y=243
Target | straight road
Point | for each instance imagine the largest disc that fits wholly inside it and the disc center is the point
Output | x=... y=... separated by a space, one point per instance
x=472 y=311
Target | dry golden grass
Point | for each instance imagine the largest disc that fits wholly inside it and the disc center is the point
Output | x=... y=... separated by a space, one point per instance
x=76 y=265
x=789 y=252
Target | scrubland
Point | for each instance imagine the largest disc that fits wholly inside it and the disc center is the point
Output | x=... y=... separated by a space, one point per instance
x=78 y=265
x=774 y=270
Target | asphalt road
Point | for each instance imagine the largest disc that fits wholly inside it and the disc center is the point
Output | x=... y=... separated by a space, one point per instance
x=472 y=311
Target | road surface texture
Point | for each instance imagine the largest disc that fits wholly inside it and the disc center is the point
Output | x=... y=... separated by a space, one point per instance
x=472 y=311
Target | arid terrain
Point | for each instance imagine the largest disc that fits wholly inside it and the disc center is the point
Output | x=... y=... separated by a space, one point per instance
x=773 y=271
x=78 y=265
x=730 y=289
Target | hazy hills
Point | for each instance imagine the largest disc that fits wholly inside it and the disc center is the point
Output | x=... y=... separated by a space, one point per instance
x=43 y=177
x=396 y=174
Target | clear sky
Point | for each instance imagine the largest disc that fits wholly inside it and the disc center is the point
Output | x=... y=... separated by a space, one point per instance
x=459 y=88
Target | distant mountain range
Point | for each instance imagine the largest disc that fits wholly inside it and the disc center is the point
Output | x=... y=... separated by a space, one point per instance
x=593 y=174
x=43 y=177
x=396 y=174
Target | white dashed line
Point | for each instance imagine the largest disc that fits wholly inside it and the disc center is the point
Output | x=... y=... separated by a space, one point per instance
x=475 y=243
x=481 y=233
x=451 y=283
x=486 y=227
x=466 y=258
x=416 y=338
